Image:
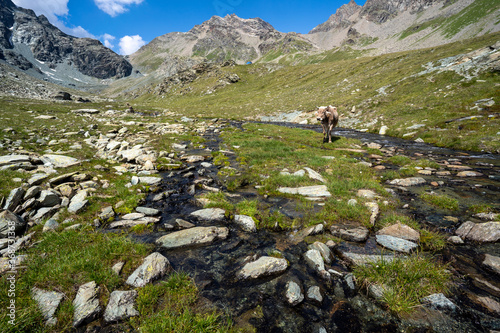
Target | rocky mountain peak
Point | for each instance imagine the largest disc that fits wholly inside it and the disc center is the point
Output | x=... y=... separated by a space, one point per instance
x=380 y=11
x=340 y=19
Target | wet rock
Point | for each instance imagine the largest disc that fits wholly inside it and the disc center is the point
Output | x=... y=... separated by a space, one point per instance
x=14 y=199
x=307 y=191
x=182 y=224
x=147 y=211
x=411 y=181
x=153 y=267
x=315 y=261
x=469 y=173
x=487 y=232
x=59 y=161
x=78 y=202
x=47 y=302
x=314 y=294
x=86 y=304
x=396 y=244
x=324 y=250
x=245 y=222
x=10 y=222
x=121 y=306
x=363 y=259
x=210 y=214
x=293 y=293
x=438 y=302
x=192 y=236
x=354 y=234
x=264 y=266
x=401 y=231
x=492 y=263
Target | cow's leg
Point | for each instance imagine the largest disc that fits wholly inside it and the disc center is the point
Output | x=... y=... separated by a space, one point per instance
x=324 y=126
x=330 y=129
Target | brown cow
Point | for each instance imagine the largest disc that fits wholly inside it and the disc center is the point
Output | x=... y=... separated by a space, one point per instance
x=329 y=118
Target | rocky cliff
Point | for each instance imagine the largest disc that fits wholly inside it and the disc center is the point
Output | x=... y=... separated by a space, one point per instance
x=32 y=44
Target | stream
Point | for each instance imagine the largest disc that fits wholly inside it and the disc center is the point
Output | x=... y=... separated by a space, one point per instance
x=261 y=305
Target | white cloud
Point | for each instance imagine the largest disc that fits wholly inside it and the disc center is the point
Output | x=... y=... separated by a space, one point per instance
x=130 y=44
x=107 y=38
x=52 y=9
x=115 y=7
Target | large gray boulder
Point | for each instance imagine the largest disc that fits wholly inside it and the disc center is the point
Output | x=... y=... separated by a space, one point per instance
x=86 y=304
x=262 y=267
x=192 y=236
x=154 y=267
x=121 y=306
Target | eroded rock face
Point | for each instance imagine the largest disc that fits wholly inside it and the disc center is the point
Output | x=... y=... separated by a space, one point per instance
x=262 y=267
x=192 y=237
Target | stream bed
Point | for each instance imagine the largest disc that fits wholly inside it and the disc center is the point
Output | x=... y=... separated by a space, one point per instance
x=260 y=304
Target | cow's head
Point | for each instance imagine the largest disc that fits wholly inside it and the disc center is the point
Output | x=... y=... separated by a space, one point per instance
x=321 y=113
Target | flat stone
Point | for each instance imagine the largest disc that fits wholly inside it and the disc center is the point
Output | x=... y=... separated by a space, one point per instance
x=368 y=194
x=245 y=222
x=324 y=250
x=411 y=181
x=438 y=302
x=458 y=167
x=50 y=225
x=44 y=212
x=48 y=302
x=153 y=267
x=396 y=244
x=262 y=267
x=11 y=159
x=107 y=214
x=62 y=178
x=363 y=259
x=121 y=306
x=487 y=216
x=32 y=192
x=132 y=223
x=210 y=214
x=148 y=211
x=353 y=234
x=193 y=158
x=308 y=191
x=130 y=155
x=133 y=216
x=293 y=293
x=59 y=161
x=192 y=236
x=48 y=199
x=489 y=303
x=88 y=111
x=469 y=174
x=149 y=180
x=314 y=175
x=182 y=224
x=401 y=231
x=86 y=304
x=492 y=263
x=37 y=178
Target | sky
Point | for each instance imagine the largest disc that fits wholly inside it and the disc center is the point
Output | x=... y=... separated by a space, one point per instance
x=126 y=25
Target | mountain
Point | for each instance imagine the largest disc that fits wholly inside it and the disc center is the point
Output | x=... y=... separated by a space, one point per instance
x=383 y=26
x=32 y=44
x=218 y=39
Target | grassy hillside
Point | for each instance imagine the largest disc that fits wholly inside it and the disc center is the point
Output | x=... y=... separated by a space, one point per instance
x=392 y=90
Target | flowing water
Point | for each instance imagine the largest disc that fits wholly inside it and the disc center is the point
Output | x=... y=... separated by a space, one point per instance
x=261 y=303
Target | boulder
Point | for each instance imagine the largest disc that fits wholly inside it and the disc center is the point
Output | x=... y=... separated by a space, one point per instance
x=50 y=225
x=130 y=155
x=352 y=234
x=121 y=306
x=14 y=199
x=262 y=267
x=315 y=261
x=324 y=250
x=147 y=211
x=488 y=232
x=86 y=304
x=78 y=202
x=59 y=161
x=37 y=178
x=32 y=192
x=492 y=263
x=153 y=267
x=48 y=199
x=192 y=236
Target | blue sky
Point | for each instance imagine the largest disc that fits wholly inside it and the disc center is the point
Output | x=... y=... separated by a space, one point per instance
x=126 y=25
